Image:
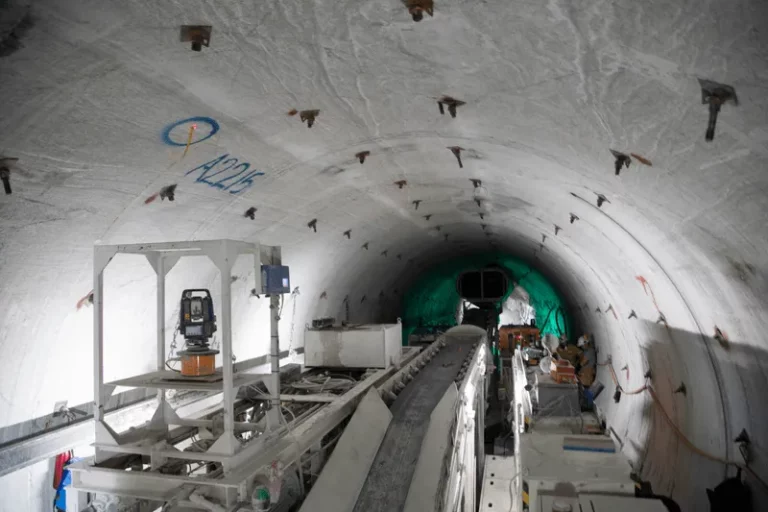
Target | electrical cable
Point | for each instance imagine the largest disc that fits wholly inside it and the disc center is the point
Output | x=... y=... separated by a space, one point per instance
x=290 y=432
x=687 y=442
x=698 y=450
x=293 y=322
x=320 y=383
x=342 y=376
x=511 y=494
x=619 y=386
x=546 y=318
x=561 y=313
x=293 y=415
x=172 y=350
x=258 y=391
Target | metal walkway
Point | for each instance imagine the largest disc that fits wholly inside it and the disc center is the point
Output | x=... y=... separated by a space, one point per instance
x=389 y=478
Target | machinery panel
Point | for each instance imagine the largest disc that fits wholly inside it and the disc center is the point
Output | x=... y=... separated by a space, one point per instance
x=275 y=279
x=363 y=346
x=499 y=492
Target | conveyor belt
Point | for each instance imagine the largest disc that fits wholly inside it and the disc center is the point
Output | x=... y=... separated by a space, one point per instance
x=389 y=478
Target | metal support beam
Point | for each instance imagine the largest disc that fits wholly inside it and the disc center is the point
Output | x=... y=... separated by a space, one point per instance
x=160 y=270
x=461 y=467
x=273 y=383
x=254 y=458
x=18 y=454
x=274 y=380
x=227 y=443
x=319 y=397
x=247 y=364
x=263 y=452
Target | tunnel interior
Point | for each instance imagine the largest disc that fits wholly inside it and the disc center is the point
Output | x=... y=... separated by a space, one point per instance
x=577 y=151
x=433 y=299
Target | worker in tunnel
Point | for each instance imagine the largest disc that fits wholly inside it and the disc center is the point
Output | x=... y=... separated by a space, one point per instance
x=581 y=355
x=588 y=362
x=571 y=353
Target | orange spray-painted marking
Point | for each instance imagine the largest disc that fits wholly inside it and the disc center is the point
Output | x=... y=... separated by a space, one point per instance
x=641 y=159
x=189 y=139
x=645 y=282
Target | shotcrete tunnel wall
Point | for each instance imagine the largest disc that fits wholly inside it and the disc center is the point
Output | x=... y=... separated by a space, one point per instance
x=720 y=375
x=89 y=89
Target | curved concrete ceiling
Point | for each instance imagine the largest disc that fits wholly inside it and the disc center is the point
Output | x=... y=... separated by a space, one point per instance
x=88 y=88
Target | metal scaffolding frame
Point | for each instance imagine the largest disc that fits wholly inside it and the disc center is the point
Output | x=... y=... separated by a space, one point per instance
x=25 y=450
x=162 y=257
x=280 y=446
x=284 y=445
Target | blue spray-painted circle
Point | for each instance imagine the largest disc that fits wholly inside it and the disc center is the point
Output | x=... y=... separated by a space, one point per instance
x=167 y=132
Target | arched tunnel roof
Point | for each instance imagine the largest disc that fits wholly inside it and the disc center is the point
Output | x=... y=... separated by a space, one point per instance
x=97 y=98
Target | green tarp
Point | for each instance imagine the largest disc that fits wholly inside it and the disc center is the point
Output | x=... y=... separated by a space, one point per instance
x=433 y=299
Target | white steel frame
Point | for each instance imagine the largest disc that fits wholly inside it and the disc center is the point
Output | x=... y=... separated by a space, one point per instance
x=162 y=257
x=522 y=408
x=284 y=445
x=462 y=477
x=240 y=463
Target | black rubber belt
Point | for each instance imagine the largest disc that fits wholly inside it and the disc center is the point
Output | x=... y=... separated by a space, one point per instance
x=389 y=478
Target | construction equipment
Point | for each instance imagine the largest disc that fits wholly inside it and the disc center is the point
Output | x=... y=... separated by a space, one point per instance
x=197 y=323
x=511 y=336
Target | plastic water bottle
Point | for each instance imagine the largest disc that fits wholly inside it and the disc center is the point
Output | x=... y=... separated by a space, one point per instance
x=260 y=499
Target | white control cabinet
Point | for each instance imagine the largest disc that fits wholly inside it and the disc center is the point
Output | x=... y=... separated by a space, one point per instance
x=359 y=346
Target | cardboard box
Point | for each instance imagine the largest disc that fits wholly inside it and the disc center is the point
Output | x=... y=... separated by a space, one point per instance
x=563 y=371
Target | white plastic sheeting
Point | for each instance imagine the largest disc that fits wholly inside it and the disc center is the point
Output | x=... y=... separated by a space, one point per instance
x=516 y=309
